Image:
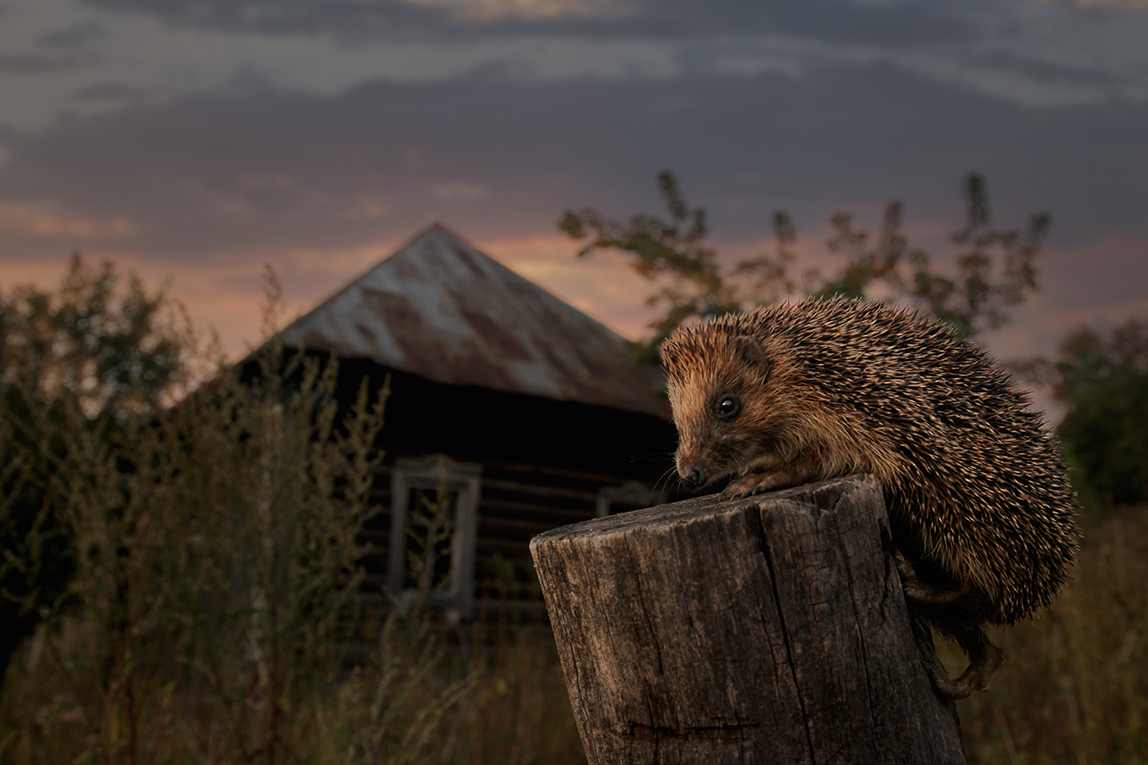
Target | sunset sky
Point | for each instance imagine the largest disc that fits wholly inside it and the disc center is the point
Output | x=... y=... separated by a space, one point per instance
x=194 y=140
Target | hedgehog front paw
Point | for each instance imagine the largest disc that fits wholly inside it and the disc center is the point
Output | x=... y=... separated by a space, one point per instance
x=749 y=484
x=778 y=477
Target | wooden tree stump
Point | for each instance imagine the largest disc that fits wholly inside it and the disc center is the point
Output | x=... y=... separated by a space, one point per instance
x=770 y=629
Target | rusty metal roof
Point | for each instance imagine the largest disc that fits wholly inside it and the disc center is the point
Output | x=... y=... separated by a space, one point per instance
x=440 y=309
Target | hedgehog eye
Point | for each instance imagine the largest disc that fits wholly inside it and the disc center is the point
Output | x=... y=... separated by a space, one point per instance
x=728 y=407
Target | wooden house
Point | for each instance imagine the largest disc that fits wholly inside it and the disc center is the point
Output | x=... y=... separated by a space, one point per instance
x=527 y=412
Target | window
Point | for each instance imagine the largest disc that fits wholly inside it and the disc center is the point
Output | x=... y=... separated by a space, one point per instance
x=434 y=516
x=632 y=495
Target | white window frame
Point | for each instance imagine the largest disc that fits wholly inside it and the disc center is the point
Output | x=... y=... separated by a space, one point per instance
x=433 y=472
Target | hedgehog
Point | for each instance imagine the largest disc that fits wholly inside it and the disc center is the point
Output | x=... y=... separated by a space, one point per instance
x=981 y=512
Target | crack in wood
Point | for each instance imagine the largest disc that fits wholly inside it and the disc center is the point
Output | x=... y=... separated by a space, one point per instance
x=758 y=525
x=722 y=730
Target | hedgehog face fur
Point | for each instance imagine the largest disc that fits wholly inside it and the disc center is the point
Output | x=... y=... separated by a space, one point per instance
x=744 y=409
x=978 y=499
x=713 y=401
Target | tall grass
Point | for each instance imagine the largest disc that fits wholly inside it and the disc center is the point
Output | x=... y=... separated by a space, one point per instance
x=217 y=553
x=1075 y=688
x=519 y=713
x=217 y=563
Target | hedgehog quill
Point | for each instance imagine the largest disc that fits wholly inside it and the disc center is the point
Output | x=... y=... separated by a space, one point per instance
x=980 y=507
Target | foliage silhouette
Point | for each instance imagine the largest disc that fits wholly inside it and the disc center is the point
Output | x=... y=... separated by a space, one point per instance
x=100 y=343
x=1102 y=380
x=993 y=269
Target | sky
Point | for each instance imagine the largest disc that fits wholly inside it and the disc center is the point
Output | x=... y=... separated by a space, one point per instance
x=194 y=140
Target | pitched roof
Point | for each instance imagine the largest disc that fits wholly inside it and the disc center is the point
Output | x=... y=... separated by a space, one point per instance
x=440 y=309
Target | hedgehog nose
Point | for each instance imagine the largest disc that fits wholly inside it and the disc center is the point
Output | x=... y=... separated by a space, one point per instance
x=694 y=476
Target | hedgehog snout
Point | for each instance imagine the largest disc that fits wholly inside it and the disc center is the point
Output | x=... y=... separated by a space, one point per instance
x=694 y=476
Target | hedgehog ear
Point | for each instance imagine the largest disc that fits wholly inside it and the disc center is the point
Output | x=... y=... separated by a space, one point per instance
x=749 y=350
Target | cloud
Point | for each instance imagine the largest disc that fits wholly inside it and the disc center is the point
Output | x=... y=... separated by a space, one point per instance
x=1113 y=5
x=459 y=191
x=43 y=221
x=81 y=35
x=486 y=10
x=64 y=58
x=271 y=169
x=32 y=63
x=899 y=22
x=110 y=92
x=219 y=133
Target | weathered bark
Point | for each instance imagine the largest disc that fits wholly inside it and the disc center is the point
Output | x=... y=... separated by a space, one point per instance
x=759 y=630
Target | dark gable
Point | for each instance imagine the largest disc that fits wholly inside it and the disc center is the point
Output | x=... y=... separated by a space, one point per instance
x=530 y=413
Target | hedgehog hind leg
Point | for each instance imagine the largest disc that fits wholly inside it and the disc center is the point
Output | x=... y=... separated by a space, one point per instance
x=927 y=607
x=917 y=591
x=985 y=657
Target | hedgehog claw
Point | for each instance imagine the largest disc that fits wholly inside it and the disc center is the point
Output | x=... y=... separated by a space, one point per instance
x=757 y=482
x=985 y=658
x=748 y=485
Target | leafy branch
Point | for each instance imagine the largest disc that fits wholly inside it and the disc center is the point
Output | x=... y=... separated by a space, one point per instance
x=993 y=269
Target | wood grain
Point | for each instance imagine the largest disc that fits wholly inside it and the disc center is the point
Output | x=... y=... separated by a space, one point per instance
x=766 y=629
